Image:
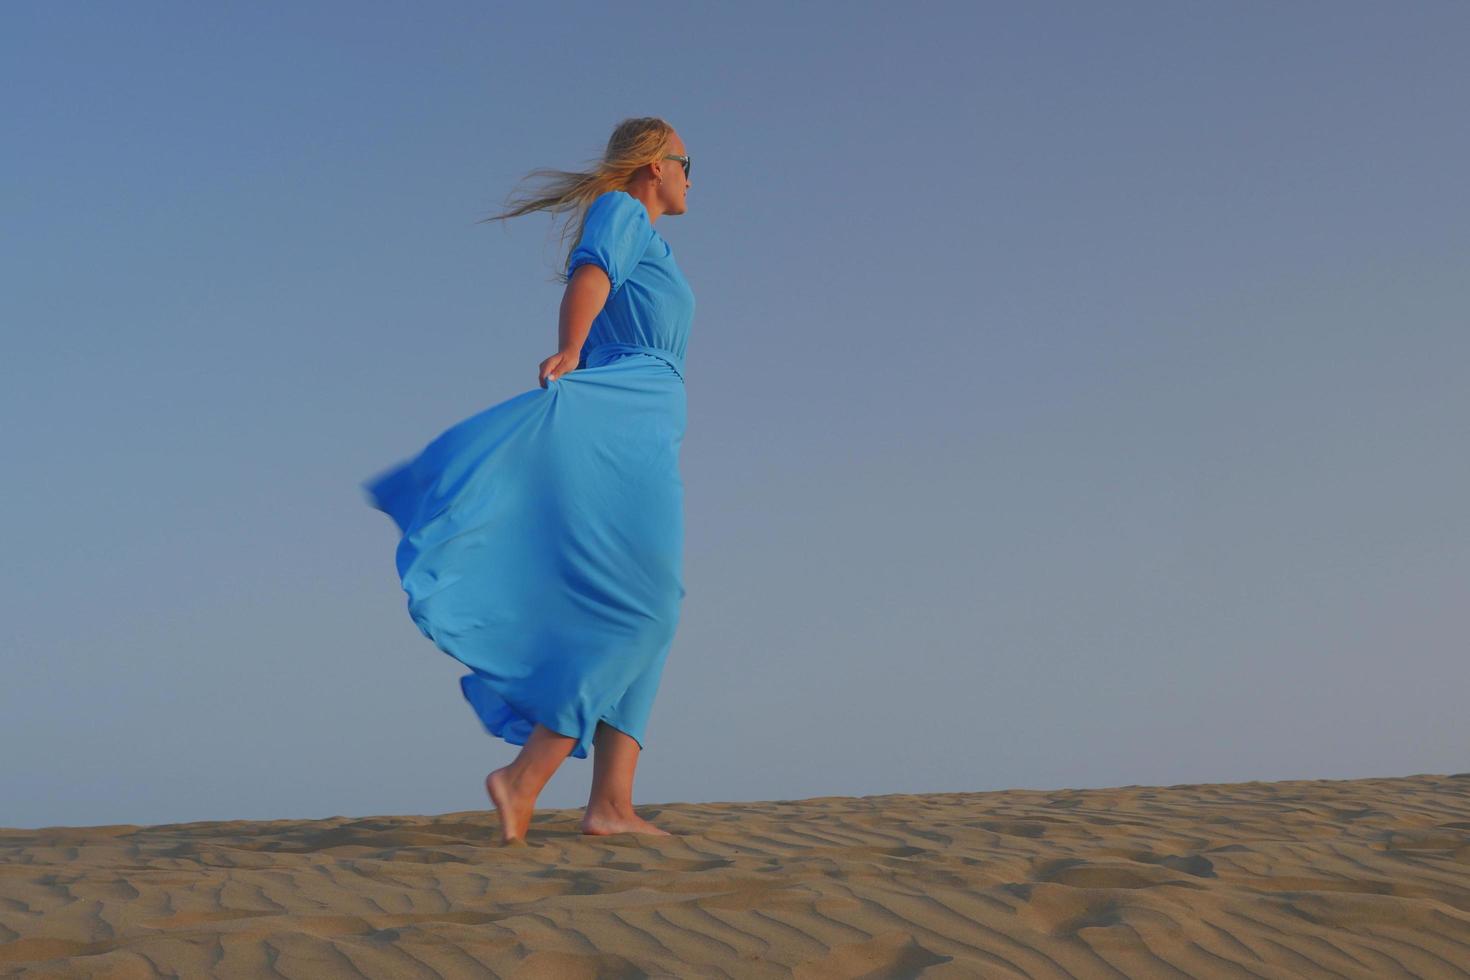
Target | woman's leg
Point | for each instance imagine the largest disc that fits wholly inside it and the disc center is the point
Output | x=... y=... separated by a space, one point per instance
x=514 y=788
x=610 y=805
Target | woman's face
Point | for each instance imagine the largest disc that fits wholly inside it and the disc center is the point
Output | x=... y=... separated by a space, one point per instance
x=675 y=185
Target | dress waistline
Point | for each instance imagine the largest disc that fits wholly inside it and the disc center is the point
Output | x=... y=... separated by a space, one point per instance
x=606 y=353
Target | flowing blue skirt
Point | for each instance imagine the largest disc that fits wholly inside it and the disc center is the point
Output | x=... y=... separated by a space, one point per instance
x=542 y=546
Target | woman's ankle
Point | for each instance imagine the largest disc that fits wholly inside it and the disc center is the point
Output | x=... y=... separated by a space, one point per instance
x=610 y=808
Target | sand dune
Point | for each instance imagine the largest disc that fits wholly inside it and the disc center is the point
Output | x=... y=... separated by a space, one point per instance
x=1333 y=878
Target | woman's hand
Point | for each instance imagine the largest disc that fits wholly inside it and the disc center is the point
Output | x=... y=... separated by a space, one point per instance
x=558 y=364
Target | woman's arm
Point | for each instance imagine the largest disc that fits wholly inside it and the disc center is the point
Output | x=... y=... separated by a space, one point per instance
x=585 y=296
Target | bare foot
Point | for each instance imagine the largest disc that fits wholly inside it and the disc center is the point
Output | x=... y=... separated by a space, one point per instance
x=513 y=808
x=603 y=822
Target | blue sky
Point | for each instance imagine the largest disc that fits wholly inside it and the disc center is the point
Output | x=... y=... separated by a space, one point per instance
x=1076 y=392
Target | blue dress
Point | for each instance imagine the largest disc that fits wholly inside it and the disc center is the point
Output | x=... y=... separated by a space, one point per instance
x=542 y=538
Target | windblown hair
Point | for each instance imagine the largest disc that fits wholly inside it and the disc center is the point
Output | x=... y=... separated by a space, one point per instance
x=633 y=143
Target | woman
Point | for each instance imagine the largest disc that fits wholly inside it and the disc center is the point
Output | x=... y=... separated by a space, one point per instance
x=542 y=539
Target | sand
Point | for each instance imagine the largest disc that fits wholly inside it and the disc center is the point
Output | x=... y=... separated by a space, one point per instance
x=1333 y=878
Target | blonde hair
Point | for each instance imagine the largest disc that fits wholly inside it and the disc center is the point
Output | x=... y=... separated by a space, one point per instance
x=634 y=143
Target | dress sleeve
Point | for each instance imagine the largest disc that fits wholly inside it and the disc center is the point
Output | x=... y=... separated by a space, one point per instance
x=615 y=235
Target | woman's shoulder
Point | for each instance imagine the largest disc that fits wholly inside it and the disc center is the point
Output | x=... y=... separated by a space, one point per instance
x=621 y=204
x=616 y=233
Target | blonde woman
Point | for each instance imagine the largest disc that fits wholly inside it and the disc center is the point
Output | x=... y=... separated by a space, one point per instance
x=542 y=539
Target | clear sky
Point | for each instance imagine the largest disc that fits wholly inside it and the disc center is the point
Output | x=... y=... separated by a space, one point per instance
x=1077 y=392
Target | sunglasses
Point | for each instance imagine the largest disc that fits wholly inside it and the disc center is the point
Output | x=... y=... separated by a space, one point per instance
x=682 y=159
